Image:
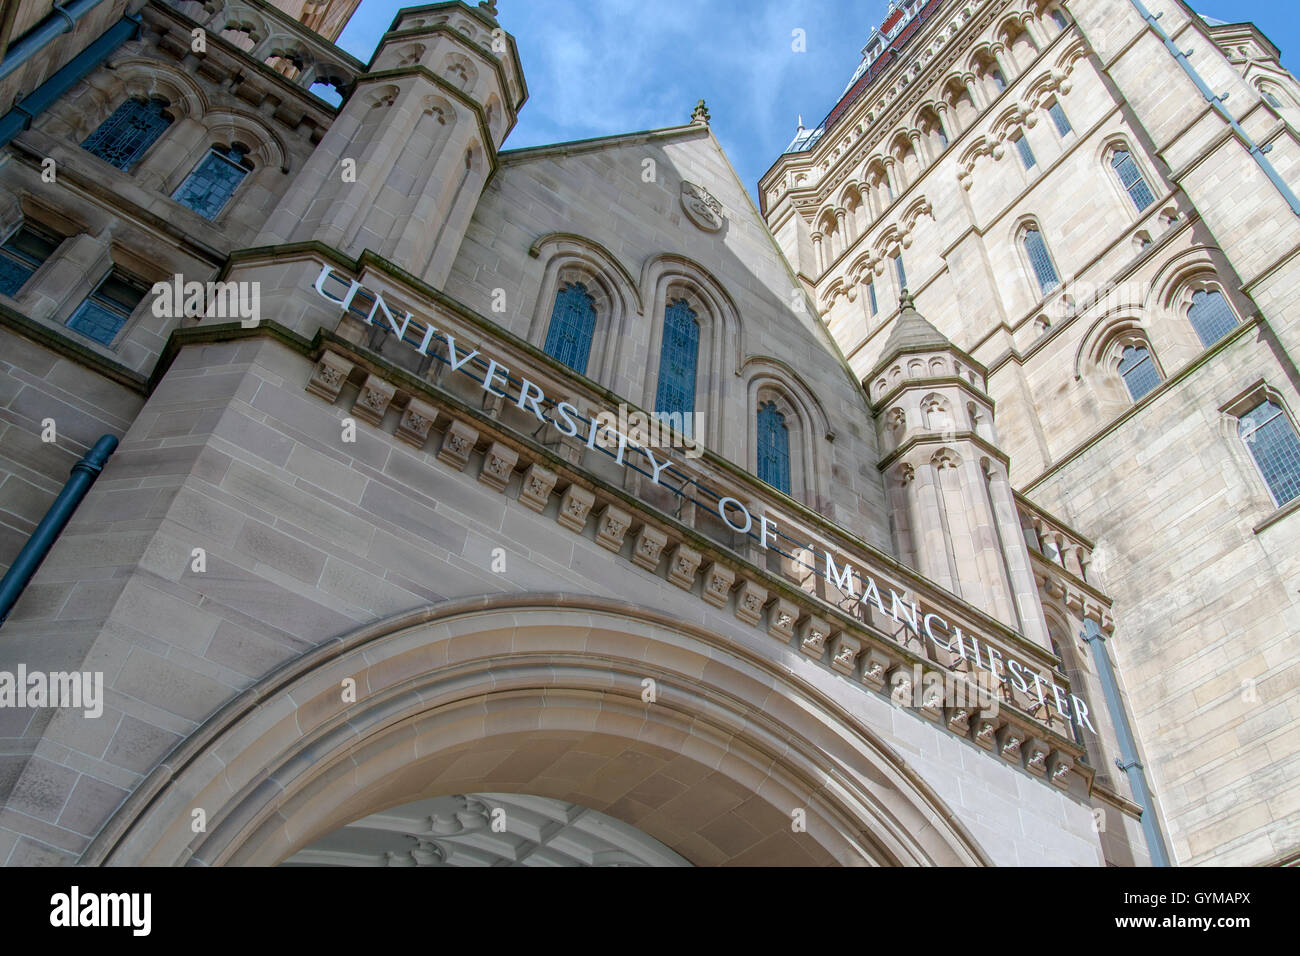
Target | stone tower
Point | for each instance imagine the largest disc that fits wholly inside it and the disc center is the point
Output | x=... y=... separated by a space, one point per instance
x=953 y=512
x=401 y=170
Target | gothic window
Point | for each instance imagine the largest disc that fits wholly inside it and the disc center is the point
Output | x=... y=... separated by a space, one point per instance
x=871 y=295
x=1026 y=154
x=902 y=273
x=1271 y=99
x=21 y=255
x=103 y=313
x=214 y=180
x=1058 y=117
x=773 y=447
x=1059 y=19
x=125 y=136
x=1211 y=316
x=943 y=135
x=573 y=322
x=1138 y=371
x=1040 y=261
x=999 y=80
x=679 y=357
x=1272 y=441
x=1130 y=177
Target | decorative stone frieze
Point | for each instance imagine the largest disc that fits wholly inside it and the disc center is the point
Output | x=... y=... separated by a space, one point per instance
x=986 y=731
x=575 y=503
x=813 y=634
x=1010 y=739
x=373 y=400
x=328 y=376
x=781 y=617
x=611 y=527
x=844 y=653
x=417 y=418
x=900 y=685
x=959 y=721
x=932 y=701
x=750 y=601
x=682 y=564
x=718 y=579
x=457 y=444
x=1059 y=767
x=648 y=547
x=535 y=489
x=498 y=465
x=1036 y=753
x=875 y=667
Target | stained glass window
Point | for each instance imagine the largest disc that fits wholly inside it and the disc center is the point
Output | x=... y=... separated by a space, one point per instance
x=214 y=181
x=125 y=136
x=573 y=322
x=773 y=447
x=1044 y=271
x=1131 y=178
x=1026 y=154
x=678 y=359
x=1272 y=441
x=1139 y=371
x=21 y=255
x=902 y=273
x=1211 y=316
x=1058 y=117
x=104 y=312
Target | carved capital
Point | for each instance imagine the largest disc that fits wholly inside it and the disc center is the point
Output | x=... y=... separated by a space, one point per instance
x=328 y=376
x=717 y=584
x=457 y=444
x=750 y=601
x=417 y=418
x=498 y=465
x=535 y=489
x=575 y=503
x=373 y=400
x=648 y=547
x=611 y=527
x=682 y=564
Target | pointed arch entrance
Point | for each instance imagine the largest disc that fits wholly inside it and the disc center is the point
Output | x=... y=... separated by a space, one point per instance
x=545 y=695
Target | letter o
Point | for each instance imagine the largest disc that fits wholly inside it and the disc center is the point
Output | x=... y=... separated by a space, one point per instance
x=722 y=512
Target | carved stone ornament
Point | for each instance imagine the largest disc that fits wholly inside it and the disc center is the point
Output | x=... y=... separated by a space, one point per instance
x=701 y=208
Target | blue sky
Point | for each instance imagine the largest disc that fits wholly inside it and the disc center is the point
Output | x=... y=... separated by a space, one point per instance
x=602 y=67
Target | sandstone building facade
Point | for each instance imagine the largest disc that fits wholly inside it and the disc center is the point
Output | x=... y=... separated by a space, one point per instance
x=394 y=564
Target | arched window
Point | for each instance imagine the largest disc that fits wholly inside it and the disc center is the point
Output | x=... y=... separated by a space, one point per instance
x=1059 y=19
x=679 y=356
x=871 y=295
x=1272 y=441
x=125 y=136
x=902 y=272
x=1130 y=178
x=573 y=322
x=1040 y=261
x=942 y=133
x=214 y=180
x=999 y=80
x=773 y=447
x=1138 y=371
x=1271 y=99
x=1026 y=153
x=1059 y=118
x=1211 y=316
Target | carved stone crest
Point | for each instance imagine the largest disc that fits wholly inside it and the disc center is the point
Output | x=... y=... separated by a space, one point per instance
x=701 y=208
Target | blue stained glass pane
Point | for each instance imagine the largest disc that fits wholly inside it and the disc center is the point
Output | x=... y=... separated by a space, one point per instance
x=999 y=80
x=679 y=357
x=1211 y=316
x=573 y=322
x=213 y=182
x=871 y=292
x=1026 y=154
x=96 y=321
x=1139 y=371
x=1058 y=117
x=902 y=273
x=1044 y=271
x=1273 y=101
x=773 y=448
x=13 y=275
x=1273 y=444
x=1059 y=18
x=123 y=137
x=1131 y=177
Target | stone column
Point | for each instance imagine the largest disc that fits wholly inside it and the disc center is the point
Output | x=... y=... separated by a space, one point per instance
x=976 y=92
x=1002 y=57
x=891 y=170
x=923 y=155
x=818 y=260
x=948 y=123
x=1024 y=587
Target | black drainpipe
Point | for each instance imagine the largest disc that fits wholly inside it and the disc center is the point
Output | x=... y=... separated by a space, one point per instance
x=23 y=569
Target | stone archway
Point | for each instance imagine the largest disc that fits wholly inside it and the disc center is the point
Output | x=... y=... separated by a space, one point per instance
x=541 y=695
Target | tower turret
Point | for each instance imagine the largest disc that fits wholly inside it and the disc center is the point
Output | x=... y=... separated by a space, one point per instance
x=403 y=165
x=953 y=513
